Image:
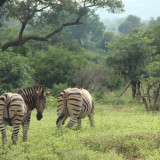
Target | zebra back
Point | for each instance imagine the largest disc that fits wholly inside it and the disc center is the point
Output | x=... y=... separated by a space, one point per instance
x=29 y=95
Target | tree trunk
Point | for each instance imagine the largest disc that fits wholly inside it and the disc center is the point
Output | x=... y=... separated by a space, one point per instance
x=133 y=89
x=136 y=89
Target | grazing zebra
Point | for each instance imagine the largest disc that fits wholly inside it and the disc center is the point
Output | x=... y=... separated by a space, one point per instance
x=76 y=104
x=15 y=109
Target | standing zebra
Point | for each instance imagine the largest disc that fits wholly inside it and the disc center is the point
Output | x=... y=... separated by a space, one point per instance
x=76 y=104
x=15 y=109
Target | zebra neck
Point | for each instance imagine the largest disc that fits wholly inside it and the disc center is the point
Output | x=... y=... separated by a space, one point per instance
x=30 y=106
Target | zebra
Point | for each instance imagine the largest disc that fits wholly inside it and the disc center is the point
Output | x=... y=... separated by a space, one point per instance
x=15 y=109
x=74 y=103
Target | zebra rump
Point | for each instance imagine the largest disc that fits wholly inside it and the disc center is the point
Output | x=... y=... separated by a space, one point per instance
x=12 y=112
x=74 y=103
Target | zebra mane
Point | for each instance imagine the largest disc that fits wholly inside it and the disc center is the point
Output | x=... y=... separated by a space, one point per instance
x=29 y=94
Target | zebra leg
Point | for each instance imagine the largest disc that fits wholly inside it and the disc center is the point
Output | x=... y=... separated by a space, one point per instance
x=91 y=119
x=25 y=130
x=79 y=123
x=25 y=125
x=15 y=133
x=61 y=120
x=2 y=125
x=71 y=122
x=3 y=132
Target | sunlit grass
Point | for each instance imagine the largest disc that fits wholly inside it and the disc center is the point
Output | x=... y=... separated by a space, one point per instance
x=121 y=132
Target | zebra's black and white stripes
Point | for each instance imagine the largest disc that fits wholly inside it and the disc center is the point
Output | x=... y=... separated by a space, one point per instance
x=15 y=109
x=76 y=104
x=12 y=112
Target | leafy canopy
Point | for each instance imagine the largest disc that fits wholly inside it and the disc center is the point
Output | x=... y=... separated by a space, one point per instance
x=51 y=15
x=14 y=72
x=130 y=23
x=57 y=65
x=130 y=55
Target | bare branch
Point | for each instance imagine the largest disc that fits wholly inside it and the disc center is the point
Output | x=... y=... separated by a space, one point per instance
x=124 y=90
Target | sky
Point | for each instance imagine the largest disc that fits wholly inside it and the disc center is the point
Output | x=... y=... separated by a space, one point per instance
x=145 y=9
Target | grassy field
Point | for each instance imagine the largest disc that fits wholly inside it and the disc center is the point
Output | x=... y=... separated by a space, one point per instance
x=120 y=133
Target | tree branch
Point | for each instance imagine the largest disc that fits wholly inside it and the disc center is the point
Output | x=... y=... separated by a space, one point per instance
x=124 y=90
x=21 y=31
x=2 y=2
x=64 y=25
x=22 y=40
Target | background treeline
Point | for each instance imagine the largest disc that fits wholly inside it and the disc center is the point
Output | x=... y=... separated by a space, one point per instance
x=85 y=55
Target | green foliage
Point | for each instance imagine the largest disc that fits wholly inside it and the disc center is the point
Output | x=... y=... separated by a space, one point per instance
x=57 y=65
x=154 y=22
x=154 y=34
x=90 y=31
x=14 y=72
x=130 y=23
x=57 y=88
x=51 y=102
x=154 y=67
x=23 y=50
x=130 y=55
x=8 y=34
x=107 y=37
x=46 y=18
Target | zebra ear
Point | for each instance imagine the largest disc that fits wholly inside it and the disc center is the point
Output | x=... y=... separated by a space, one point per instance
x=42 y=89
x=46 y=94
x=37 y=93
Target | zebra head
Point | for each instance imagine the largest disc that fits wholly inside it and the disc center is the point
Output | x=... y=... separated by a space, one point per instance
x=40 y=102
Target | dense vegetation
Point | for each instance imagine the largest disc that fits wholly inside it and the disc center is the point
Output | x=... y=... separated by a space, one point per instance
x=63 y=44
x=84 y=56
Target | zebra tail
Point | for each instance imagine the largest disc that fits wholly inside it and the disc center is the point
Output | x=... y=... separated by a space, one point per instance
x=92 y=106
x=65 y=98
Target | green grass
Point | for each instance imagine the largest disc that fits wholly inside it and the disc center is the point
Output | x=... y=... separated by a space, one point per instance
x=120 y=133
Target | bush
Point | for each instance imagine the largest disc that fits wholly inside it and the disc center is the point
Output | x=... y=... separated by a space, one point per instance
x=51 y=102
x=14 y=72
x=57 y=88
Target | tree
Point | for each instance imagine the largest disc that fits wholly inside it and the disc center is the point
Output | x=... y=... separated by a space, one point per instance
x=57 y=14
x=107 y=37
x=154 y=33
x=91 y=30
x=92 y=78
x=153 y=22
x=151 y=98
x=129 y=56
x=56 y=65
x=130 y=23
x=14 y=72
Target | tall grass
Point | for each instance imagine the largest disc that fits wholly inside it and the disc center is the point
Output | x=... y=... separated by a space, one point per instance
x=114 y=98
x=121 y=133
